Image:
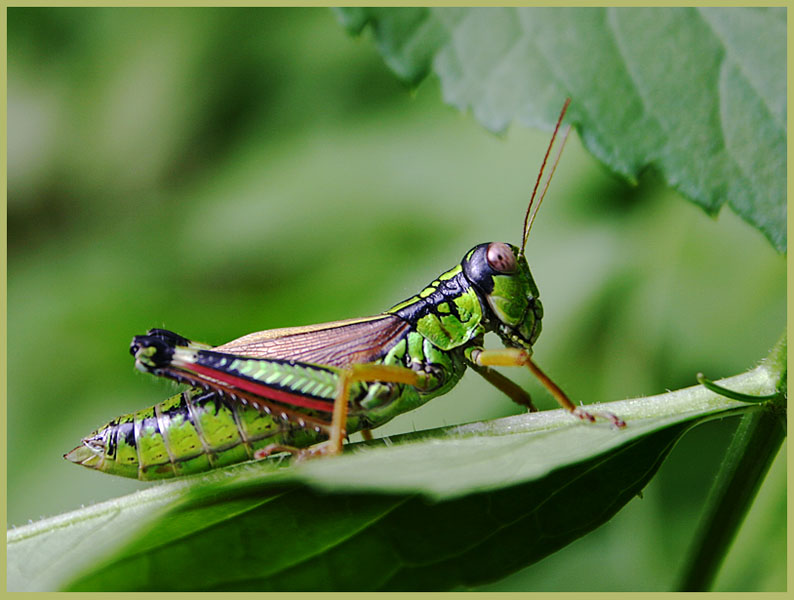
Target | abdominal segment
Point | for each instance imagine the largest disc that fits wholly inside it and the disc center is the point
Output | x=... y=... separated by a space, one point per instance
x=190 y=432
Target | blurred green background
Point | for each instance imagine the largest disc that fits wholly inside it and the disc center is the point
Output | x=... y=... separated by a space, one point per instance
x=222 y=171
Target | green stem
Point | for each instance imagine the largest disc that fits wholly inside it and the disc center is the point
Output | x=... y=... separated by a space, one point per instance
x=734 y=395
x=753 y=448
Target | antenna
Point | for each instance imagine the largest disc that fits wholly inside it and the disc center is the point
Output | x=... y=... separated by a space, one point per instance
x=530 y=218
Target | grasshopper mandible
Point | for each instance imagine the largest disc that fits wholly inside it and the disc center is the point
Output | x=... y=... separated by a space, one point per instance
x=304 y=389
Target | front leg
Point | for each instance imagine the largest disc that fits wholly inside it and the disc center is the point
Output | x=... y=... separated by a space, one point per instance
x=510 y=388
x=516 y=357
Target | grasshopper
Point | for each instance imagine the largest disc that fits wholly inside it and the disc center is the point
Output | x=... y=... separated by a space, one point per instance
x=304 y=389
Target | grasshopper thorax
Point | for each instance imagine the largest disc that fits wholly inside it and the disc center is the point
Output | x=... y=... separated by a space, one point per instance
x=500 y=275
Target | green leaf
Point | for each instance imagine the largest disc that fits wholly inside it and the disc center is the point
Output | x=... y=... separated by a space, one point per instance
x=699 y=94
x=450 y=507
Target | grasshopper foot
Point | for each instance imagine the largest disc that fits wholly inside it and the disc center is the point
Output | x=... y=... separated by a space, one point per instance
x=583 y=415
x=591 y=417
x=299 y=454
x=263 y=453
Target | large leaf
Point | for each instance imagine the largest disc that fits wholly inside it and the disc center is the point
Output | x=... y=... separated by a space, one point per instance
x=698 y=94
x=450 y=507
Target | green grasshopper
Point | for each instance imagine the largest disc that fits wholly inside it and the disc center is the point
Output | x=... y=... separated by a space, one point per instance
x=304 y=389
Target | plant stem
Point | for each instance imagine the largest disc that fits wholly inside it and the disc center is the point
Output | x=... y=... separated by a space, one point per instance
x=753 y=448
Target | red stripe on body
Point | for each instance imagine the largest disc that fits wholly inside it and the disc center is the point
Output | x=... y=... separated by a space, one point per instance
x=263 y=390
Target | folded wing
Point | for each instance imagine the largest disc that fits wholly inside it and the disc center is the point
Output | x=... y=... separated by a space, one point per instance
x=338 y=344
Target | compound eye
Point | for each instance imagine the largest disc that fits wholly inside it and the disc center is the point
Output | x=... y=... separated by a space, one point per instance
x=500 y=257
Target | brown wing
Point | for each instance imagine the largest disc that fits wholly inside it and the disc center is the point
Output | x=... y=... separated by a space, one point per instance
x=337 y=344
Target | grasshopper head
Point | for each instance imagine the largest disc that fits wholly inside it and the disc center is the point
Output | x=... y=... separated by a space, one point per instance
x=500 y=274
x=501 y=277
